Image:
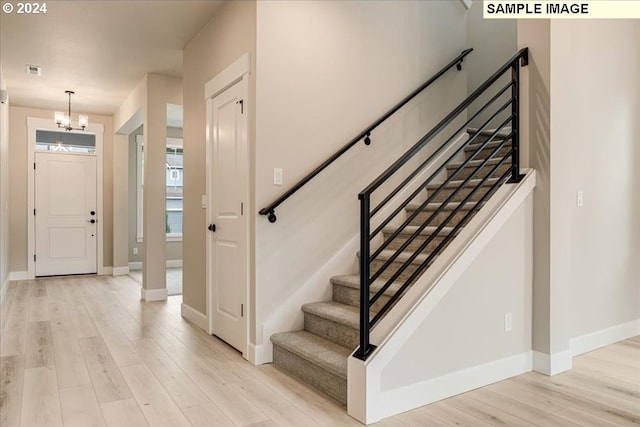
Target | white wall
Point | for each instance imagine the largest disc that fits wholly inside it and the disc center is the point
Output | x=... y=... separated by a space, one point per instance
x=326 y=70
x=466 y=328
x=595 y=101
x=4 y=188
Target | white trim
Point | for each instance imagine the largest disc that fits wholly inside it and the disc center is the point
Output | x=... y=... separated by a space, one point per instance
x=237 y=72
x=137 y=265
x=594 y=340
x=153 y=294
x=106 y=271
x=552 y=364
x=389 y=403
x=466 y=3
x=97 y=129
x=256 y=354
x=120 y=271
x=18 y=275
x=228 y=77
x=193 y=316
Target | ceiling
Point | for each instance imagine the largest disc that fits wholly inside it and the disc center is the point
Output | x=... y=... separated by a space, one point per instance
x=99 y=49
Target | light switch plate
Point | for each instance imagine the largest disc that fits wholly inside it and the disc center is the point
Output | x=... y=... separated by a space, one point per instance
x=204 y=201
x=277 y=176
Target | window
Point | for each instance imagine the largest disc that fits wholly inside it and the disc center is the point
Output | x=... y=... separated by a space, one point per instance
x=174 y=190
x=174 y=187
x=66 y=142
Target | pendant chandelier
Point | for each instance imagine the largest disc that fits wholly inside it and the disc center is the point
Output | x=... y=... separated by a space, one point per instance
x=64 y=120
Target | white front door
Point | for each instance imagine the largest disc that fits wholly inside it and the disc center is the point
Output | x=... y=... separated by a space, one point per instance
x=65 y=214
x=228 y=256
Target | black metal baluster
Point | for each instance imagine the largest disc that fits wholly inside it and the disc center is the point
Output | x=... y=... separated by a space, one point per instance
x=365 y=345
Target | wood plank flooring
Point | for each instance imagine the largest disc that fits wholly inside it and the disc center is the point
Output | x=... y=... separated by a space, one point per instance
x=85 y=351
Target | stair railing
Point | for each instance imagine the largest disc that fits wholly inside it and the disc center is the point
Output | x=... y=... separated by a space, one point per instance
x=498 y=139
x=364 y=136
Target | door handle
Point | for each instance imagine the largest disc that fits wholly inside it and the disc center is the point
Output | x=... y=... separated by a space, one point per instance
x=92 y=213
x=92 y=221
x=212 y=227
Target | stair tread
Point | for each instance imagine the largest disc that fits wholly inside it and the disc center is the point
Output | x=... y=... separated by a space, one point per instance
x=403 y=256
x=469 y=184
x=411 y=229
x=493 y=144
x=502 y=134
x=317 y=350
x=472 y=163
x=343 y=314
x=436 y=205
x=353 y=281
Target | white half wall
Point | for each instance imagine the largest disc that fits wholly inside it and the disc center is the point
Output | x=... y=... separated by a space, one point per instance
x=453 y=337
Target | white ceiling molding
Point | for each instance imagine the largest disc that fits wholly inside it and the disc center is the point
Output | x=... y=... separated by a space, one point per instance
x=466 y=3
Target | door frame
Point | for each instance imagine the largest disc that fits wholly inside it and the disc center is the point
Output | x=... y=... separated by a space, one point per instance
x=236 y=73
x=34 y=124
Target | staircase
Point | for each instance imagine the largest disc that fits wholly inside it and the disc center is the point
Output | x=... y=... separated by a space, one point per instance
x=318 y=354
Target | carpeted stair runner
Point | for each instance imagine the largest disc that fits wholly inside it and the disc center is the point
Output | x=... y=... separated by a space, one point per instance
x=318 y=354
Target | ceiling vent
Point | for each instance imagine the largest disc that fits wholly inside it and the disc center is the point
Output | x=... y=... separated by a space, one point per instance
x=34 y=70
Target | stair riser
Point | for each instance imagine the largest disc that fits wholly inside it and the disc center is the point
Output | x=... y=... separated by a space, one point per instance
x=467 y=171
x=351 y=296
x=460 y=195
x=327 y=382
x=335 y=332
x=415 y=244
x=439 y=218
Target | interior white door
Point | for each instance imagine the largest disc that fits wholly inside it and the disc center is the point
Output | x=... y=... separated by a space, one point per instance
x=65 y=214
x=228 y=257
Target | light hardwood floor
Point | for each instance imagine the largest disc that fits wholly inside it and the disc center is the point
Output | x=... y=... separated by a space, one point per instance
x=85 y=351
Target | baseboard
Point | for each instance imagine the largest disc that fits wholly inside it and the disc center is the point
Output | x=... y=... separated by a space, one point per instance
x=589 y=342
x=18 y=275
x=171 y=263
x=174 y=263
x=194 y=316
x=105 y=271
x=392 y=402
x=552 y=364
x=256 y=355
x=153 y=294
x=120 y=271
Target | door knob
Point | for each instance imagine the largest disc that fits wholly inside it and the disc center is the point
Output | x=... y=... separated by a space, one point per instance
x=92 y=221
x=212 y=227
x=92 y=213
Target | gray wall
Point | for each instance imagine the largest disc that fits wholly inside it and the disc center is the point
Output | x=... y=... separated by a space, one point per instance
x=174 y=249
x=4 y=188
x=493 y=41
x=580 y=132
